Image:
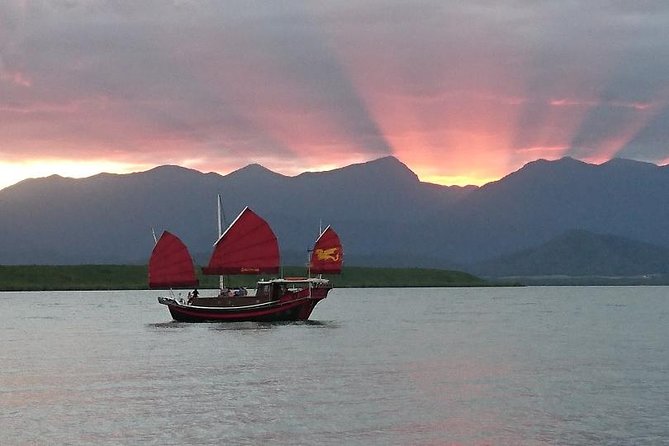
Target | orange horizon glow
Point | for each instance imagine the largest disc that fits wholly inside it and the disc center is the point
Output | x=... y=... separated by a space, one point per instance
x=322 y=91
x=15 y=172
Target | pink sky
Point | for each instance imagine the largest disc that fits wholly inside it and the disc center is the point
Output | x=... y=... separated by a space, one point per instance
x=462 y=92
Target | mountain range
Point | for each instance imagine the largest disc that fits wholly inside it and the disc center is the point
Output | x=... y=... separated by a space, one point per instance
x=578 y=253
x=384 y=214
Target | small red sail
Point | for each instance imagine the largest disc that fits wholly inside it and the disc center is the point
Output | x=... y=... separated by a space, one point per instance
x=171 y=265
x=248 y=246
x=328 y=254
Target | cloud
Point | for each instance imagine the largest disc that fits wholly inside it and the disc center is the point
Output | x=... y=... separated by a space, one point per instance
x=455 y=89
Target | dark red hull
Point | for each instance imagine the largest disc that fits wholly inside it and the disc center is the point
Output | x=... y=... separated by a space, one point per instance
x=284 y=309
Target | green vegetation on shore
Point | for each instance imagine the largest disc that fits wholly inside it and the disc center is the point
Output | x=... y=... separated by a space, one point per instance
x=134 y=277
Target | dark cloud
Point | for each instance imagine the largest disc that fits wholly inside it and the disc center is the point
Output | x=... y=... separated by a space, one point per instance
x=303 y=80
x=651 y=142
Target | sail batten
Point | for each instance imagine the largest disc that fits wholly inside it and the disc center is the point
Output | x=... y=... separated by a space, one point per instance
x=248 y=246
x=171 y=265
x=327 y=256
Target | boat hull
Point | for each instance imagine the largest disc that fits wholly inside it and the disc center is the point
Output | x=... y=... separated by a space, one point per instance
x=284 y=309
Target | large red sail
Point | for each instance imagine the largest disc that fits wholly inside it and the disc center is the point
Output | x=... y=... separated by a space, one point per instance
x=171 y=265
x=248 y=246
x=328 y=254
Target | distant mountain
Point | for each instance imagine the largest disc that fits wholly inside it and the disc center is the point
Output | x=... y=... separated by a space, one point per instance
x=581 y=253
x=384 y=214
x=108 y=218
x=546 y=198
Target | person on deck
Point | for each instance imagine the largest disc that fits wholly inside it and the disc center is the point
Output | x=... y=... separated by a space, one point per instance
x=192 y=296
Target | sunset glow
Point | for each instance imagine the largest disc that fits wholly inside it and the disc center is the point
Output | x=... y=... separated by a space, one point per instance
x=462 y=94
x=11 y=173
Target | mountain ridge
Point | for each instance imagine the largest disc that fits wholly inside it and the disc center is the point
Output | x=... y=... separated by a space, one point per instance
x=545 y=198
x=106 y=217
x=385 y=215
x=581 y=253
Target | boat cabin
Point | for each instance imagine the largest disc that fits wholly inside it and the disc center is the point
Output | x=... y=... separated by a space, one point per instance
x=267 y=291
x=277 y=288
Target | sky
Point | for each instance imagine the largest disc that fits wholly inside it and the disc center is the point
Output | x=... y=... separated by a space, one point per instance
x=462 y=92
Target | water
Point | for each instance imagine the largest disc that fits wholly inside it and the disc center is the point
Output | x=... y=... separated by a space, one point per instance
x=498 y=366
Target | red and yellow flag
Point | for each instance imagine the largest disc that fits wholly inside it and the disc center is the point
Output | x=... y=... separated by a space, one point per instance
x=328 y=254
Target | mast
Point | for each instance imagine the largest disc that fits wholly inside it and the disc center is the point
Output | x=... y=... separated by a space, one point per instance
x=310 y=251
x=221 y=280
x=320 y=233
x=219 y=209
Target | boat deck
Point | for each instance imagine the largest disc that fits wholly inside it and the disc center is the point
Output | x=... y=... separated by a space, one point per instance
x=225 y=301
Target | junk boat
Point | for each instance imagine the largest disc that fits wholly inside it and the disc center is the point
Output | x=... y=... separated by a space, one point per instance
x=248 y=246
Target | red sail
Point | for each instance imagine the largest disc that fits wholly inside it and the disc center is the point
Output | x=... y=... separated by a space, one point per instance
x=328 y=254
x=171 y=266
x=248 y=246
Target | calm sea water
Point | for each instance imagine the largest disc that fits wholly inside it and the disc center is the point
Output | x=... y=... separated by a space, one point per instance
x=499 y=366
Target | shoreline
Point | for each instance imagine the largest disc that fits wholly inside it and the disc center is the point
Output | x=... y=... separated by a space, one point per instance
x=135 y=277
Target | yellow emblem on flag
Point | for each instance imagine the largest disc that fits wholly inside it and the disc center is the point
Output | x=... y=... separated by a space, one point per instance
x=328 y=255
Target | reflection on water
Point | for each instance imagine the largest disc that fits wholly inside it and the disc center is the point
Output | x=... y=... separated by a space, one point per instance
x=168 y=325
x=269 y=325
x=235 y=326
x=449 y=366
